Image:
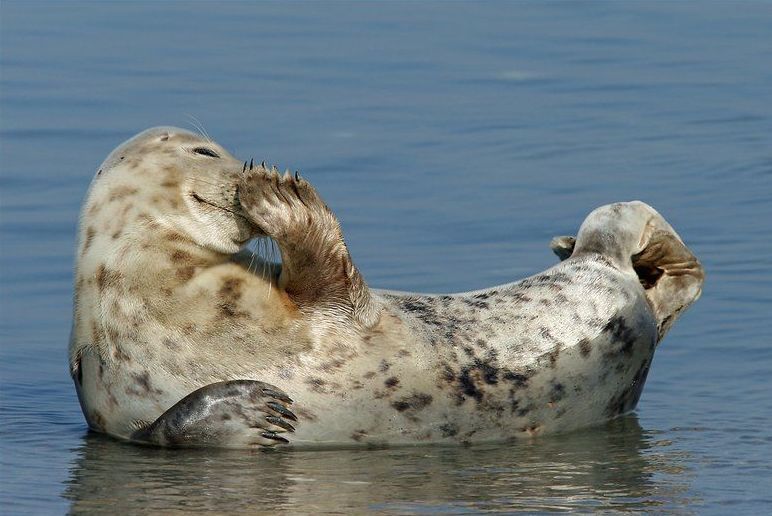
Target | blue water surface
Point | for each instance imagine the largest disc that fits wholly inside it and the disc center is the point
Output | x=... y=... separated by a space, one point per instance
x=453 y=140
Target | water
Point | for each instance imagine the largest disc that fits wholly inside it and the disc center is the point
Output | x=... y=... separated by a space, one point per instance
x=453 y=140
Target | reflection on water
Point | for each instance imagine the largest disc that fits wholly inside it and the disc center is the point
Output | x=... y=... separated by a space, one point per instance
x=617 y=466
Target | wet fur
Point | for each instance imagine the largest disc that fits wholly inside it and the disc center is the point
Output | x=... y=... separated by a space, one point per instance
x=167 y=303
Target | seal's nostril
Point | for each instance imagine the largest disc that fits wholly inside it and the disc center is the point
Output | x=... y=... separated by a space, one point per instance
x=164 y=137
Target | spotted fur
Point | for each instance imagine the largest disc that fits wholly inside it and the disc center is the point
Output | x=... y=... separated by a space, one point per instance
x=168 y=307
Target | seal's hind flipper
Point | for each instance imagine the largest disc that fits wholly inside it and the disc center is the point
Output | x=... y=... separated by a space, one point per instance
x=234 y=414
x=563 y=246
x=670 y=274
x=633 y=236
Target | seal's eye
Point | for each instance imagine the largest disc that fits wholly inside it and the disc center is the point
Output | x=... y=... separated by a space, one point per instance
x=206 y=152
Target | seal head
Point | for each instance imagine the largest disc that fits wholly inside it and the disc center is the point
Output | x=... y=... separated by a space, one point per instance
x=182 y=182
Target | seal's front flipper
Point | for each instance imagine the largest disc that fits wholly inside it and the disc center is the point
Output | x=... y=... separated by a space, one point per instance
x=233 y=414
x=317 y=272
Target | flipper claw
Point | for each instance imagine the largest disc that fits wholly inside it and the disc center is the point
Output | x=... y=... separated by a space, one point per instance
x=278 y=395
x=274 y=436
x=280 y=423
x=282 y=410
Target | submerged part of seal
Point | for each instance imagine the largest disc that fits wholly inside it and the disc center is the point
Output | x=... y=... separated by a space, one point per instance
x=181 y=338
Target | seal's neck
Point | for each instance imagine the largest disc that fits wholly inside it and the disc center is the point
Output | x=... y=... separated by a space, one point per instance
x=147 y=261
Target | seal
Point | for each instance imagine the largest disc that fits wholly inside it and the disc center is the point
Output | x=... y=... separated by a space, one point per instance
x=181 y=337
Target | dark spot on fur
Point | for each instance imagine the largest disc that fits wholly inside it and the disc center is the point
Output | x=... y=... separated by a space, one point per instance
x=449 y=429
x=317 y=384
x=416 y=401
x=519 y=296
x=391 y=382
x=384 y=366
x=358 y=435
x=143 y=382
x=627 y=399
x=369 y=374
x=97 y=421
x=119 y=355
x=585 y=347
x=486 y=368
x=174 y=236
x=621 y=334
x=467 y=385
x=185 y=273
x=90 y=232
x=476 y=303
x=403 y=353
x=171 y=344
x=553 y=356
x=422 y=309
x=228 y=310
x=557 y=392
x=120 y=192
x=484 y=295
x=96 y=334
x=333 y=364
x=112 y=334
x=447 y=374
x=519 y=379
x=231 y=288
x=106 y=278
x=179 y=256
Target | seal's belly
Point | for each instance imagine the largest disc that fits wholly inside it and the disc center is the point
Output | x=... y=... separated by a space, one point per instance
x=484 y=402
x=583 y=363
